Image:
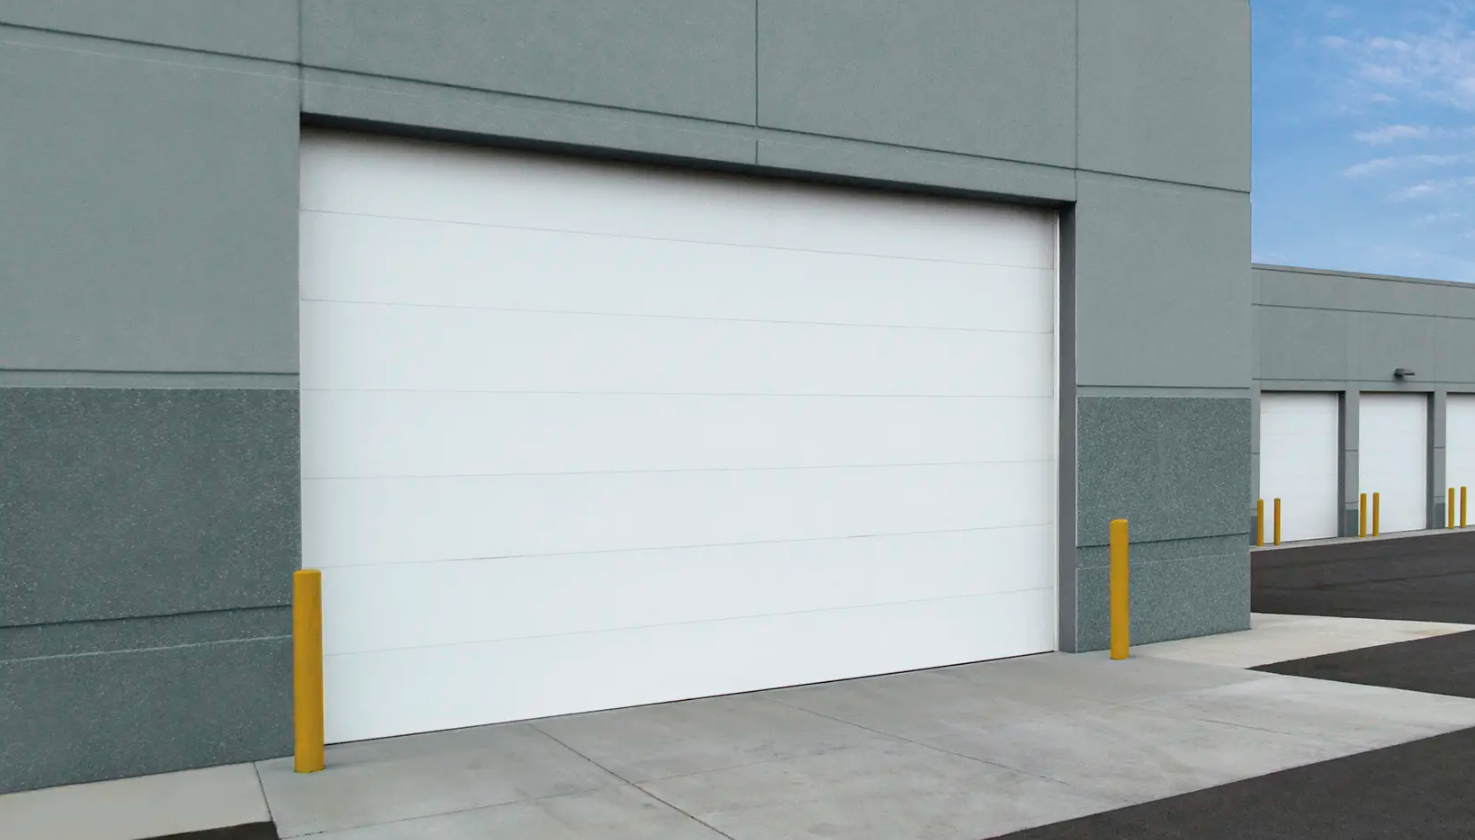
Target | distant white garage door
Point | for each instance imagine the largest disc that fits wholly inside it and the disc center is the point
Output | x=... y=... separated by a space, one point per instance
x=580 y=435
x=1459 y=442
x=1299 y=451
x=1392 y=456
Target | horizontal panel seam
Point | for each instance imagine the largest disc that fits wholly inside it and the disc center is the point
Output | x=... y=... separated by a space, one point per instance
x=1138 y=561
x=689 y=470
x=133 y=42
x=745 y=395
x=289 y=74
x=130 y=372
x=155 y=649
x=285 y=604
x=1245 y=533
x=731 y=619
x=502 y=557
x=1440 y=315
x=1164 y=181
x=960 y=160
x=713 y=318
x=647 y=238
x=530 y=102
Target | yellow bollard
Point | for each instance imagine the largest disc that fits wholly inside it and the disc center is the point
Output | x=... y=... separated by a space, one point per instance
x=307 y=668
x=1377 y=497
x=1449 y=508
x=1462 y=506
x=1260 y=522
x=1121 y=602
x=1362 y=515
x=1277 y=521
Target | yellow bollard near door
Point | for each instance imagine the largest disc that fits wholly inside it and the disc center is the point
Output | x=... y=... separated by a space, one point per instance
x=1449 y=508
x=1121 y=602
x=1260 y=522
x=1362 y=515
x=307 y=669
x=1377 y=497
x=1277 y=521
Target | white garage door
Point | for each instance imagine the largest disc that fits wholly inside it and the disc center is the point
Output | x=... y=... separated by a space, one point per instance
x=1459 y=443
x=1392 y=457
x=1298 y=463
x=580 y=435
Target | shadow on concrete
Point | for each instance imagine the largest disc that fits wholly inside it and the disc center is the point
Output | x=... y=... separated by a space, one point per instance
x=249 y=831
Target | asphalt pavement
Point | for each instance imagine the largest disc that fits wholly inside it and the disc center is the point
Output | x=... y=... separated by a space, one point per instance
x=1419 y=789
x=1425 y=578
x=1415 y=790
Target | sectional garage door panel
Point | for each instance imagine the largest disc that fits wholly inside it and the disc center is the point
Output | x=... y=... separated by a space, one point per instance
x=363 y=258
x=399 y=520
x=579 y=435
x=1459 y=440
x=447 y=433
x=1392 y=457
x=469 y=684
x=362 y=176
x=1299 y=451
x=413 y=347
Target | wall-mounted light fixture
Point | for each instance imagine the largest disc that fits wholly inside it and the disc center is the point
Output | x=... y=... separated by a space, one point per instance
x=1403 y=373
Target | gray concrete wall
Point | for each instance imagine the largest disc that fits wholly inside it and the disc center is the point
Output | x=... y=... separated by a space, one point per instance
x=149 y=495
x=148 y=341
x=1347 y=333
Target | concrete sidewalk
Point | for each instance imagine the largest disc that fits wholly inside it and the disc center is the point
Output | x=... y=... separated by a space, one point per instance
x=1278 y=638
x=966 y=752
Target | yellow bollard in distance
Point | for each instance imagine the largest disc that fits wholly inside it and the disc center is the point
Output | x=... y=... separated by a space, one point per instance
x=1377 y=499
x=1121 y=602
x=1260 y=522
x=1277 y=521
x=307 y=669
x=1462 y=506
x=1362 y=515
x=1449 y=508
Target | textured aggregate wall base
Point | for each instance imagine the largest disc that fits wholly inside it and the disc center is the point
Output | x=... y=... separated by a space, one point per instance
x=1178 y=469
x=123 y=502
x=1175 y=467
x=1171 y=599
x=71 y=719
x=148 y=541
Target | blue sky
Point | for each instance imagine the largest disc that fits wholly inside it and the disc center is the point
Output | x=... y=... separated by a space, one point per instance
x=1365 y=135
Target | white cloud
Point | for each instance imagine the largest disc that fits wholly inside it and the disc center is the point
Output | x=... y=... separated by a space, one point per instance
x=1384 y=135
x=1428 y=189
x=1442 y=218
x=1390 y=164
x=1372 y=167
x=1418 y=191
x=1388 y=134
x=1436 y=63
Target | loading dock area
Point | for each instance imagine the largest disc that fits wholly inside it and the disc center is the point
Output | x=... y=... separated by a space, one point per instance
x=1365 y=404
